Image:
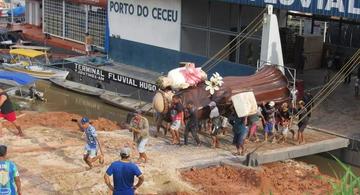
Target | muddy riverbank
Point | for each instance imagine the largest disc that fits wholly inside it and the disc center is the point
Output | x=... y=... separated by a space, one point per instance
x=49 y=157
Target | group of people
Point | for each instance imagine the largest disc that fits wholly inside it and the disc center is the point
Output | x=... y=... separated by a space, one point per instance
x=274 y=121
x=123 y=170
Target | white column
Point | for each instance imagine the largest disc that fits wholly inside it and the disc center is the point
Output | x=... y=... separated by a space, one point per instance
x=63 y=19
x=86 y=18
x=43 y=14
x=271 y=51
x=12 y=11
x=37 y=15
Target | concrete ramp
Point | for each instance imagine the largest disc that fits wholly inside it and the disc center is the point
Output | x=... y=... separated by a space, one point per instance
x=267 y=156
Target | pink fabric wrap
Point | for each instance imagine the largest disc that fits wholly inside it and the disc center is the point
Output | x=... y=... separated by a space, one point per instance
x=191 y=74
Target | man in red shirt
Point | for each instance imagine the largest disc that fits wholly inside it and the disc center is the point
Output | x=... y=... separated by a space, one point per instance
x=7 y=111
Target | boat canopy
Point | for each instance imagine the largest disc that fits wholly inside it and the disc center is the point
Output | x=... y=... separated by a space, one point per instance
x=26 y=52
x=17 y=78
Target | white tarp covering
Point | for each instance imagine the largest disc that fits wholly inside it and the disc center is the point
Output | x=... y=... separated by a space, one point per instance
x=244 y=103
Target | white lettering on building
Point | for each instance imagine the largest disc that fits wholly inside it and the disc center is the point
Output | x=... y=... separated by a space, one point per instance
x=338 y=4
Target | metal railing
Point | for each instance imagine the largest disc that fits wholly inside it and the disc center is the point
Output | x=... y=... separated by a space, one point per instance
x=7 y=19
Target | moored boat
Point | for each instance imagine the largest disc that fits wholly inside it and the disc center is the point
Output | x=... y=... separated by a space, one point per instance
x=122 y=101
x=20 y=86
x=32 y=62
x=77 y=87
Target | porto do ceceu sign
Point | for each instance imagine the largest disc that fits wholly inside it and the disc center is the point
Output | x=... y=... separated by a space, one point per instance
x=152 y=22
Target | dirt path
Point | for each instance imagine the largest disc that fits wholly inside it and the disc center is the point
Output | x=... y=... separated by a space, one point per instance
x=49 y=157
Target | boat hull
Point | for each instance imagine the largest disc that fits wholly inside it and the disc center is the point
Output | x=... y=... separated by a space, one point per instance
x=77 y=87
x=121 y=101
x=38 y=74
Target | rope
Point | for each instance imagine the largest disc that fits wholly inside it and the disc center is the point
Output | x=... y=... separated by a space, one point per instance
x=344 y=72
x=329 y=92
x=234 y=47
x=233 y=40
x=333 y=80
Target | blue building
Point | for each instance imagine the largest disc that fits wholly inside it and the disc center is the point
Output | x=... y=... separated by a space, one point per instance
x=158 y=34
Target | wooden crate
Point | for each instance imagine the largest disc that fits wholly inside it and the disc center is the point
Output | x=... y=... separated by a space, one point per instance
x=313 y=43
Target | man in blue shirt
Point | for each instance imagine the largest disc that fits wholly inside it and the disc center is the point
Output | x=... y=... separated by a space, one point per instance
x=93 y=143
x=123 y=172
x=9 y=175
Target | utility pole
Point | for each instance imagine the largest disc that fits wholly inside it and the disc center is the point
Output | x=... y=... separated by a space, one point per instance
x=12 y=12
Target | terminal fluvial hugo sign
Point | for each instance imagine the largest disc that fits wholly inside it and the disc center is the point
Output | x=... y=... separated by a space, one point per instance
x=106 y=76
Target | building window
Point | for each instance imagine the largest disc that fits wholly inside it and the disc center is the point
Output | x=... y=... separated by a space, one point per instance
x=53 y=17
x=79 y=19
x=75 y=22
x=97 y=24
x=189 y=36
x=208 y=26
x=195 y=12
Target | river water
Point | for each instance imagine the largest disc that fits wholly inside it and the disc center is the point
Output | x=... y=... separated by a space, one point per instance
x=60 y=99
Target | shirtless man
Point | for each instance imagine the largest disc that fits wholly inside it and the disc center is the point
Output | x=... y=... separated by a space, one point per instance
x=7 y=111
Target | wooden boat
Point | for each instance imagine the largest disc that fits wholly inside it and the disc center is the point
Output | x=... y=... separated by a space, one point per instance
x=24 y=94
x=23 y=60
x=20 y=86
x=122 y=101
x=77 y=87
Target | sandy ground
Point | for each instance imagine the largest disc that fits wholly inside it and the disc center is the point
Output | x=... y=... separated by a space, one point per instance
x=49 y=158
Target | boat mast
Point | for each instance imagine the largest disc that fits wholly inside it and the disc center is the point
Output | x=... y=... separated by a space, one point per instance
x=271 y=52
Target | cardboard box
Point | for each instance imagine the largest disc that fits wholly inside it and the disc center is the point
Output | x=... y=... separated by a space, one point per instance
x=313 y=43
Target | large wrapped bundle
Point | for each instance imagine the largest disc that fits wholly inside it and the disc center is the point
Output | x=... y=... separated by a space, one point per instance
x=184 y=77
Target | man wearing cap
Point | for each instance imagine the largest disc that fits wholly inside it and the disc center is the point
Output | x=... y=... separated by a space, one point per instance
x=93 y=143
x=7 y=111
x=9 y=175
x=139 y=125
x=269 y=115
x=123 y=172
